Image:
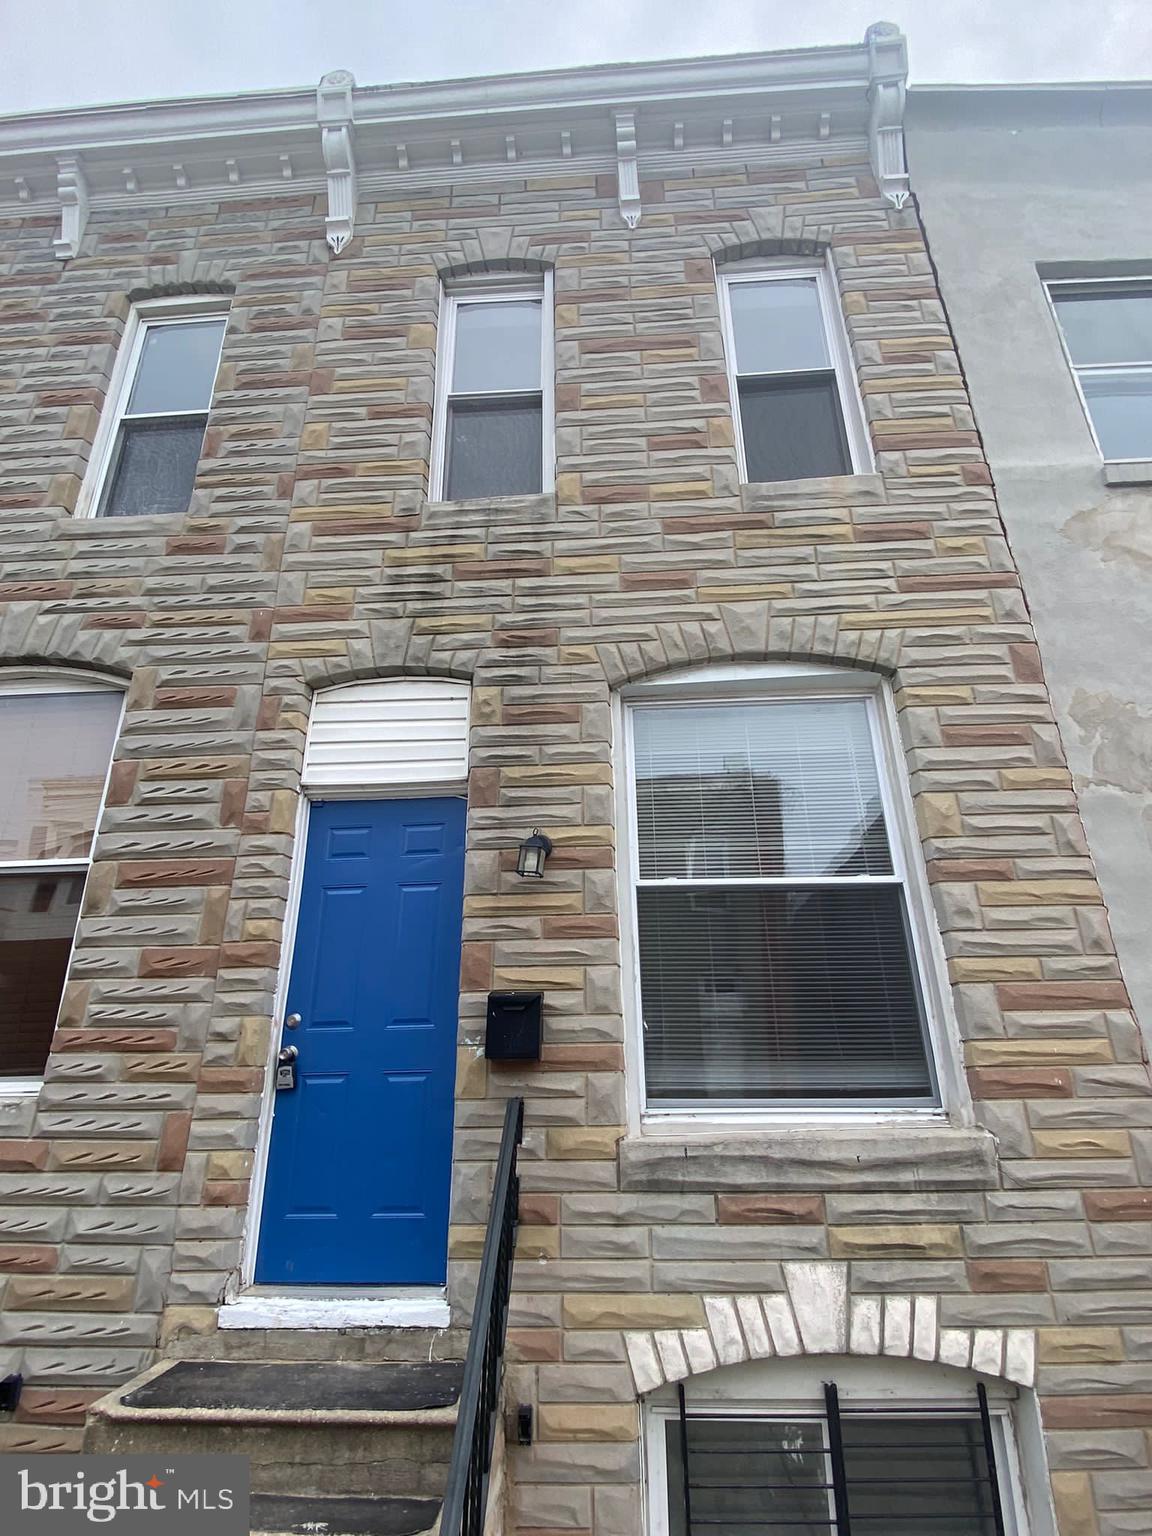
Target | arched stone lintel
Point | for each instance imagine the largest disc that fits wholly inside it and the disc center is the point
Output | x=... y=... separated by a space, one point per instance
x=453 y=265
x=817 y=1316
x=748 y=632
x=205 y=287
x=768 y=248
x=393 y=649
x=37 y=641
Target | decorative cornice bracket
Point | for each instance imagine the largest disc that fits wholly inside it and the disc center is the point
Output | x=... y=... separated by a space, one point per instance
x=72 y=190
x=334 y=115
x=627 y=169
x=887 y=78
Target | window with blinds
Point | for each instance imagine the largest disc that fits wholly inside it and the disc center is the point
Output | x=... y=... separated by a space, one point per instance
x=844 y=1472
x=776 y=962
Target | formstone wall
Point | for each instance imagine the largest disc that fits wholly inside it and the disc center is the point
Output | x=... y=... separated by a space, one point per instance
x=310 y=557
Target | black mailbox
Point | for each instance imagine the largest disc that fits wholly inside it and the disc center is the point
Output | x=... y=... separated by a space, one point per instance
x=514 y=1026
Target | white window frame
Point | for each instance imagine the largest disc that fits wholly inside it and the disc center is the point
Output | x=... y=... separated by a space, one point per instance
x=764 y=683
x=839 y=352
x=493 y=290
x=143 y=317
x=1137 y=285
x=24 y=682
x=757 y=1394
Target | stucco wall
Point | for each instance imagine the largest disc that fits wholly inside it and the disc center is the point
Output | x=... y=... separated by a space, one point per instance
x=1007 y=184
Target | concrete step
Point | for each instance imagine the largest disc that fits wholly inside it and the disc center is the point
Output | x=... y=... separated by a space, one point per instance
x=275 y=1515
x=417 y=1345
x=308 y=1427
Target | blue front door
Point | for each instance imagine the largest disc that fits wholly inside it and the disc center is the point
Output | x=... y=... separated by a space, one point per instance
x=361 y=1151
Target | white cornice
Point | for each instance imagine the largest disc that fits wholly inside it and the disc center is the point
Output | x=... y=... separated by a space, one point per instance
x=347 y=139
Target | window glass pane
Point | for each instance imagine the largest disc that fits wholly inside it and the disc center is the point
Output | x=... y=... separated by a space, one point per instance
x=749 y=1476
x=495 y=448
x=725 y=791
x=38 y=916
x=912 y=1474
x=177 y=367
x=1107 y=328
x=777 y=326
x=497 y=347
x=1121 y=407
x=54 y=754
x=793 y=428
x=757 y=993
x=155 y=466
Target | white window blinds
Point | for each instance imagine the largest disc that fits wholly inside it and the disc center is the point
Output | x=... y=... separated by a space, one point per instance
x=776 y=963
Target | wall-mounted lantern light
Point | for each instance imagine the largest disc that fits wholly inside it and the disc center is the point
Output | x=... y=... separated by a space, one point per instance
x=533 y=854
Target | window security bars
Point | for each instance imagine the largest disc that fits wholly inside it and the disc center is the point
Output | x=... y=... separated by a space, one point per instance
x=847 y=1472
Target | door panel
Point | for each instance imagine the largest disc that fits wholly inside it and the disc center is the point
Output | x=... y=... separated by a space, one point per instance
x=360 y=1155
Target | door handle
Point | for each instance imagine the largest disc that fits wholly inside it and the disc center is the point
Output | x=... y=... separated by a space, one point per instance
x=289 y=1053
x=292 y=1021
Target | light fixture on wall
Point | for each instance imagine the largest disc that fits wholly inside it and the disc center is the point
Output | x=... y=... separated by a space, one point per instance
x=533 y=855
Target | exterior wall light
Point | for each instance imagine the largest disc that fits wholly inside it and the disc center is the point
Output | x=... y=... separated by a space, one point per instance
x=533 y=854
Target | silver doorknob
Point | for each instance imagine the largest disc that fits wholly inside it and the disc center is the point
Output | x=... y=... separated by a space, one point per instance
x=292 y=1021
x=288 y=1053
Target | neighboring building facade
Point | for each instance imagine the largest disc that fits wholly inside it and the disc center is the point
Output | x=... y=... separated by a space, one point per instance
x=422 y=466
x=1036 y=201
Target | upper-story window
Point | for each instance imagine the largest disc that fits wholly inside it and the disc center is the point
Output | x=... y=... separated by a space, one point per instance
x=792 y=386
x=1107 y=330
x=56 y=741
x=775 y=918
x=493 y=427
x=148 y=446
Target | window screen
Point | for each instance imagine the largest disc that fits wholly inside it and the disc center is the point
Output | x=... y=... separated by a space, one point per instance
x=775 y=955
x=160 y=432
x=54 y=754
x=494 y=413
x=786 y=387
x=1108 y=332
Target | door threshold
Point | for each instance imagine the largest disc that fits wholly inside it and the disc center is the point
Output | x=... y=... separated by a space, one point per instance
x=315 y=1306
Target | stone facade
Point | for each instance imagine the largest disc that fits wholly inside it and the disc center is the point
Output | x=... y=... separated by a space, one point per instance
x=310 y=556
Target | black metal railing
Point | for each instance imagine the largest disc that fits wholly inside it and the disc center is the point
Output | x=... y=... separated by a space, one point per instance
x=468 y=1471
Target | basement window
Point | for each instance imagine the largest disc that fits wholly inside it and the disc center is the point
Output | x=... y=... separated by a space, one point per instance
x=833 y=1467
x=149 y=443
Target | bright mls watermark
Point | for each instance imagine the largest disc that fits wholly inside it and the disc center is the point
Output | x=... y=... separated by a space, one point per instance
x=135 y=1495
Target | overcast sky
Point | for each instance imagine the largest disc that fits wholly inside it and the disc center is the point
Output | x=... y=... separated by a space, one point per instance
x=56 y=53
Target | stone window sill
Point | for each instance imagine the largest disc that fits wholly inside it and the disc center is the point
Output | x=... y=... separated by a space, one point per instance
x=829 y=490
x=1133 y=472
x=882 y=1157
x=519 y=508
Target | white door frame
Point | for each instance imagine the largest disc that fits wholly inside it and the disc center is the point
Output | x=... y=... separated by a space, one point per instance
x=245 y=1305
